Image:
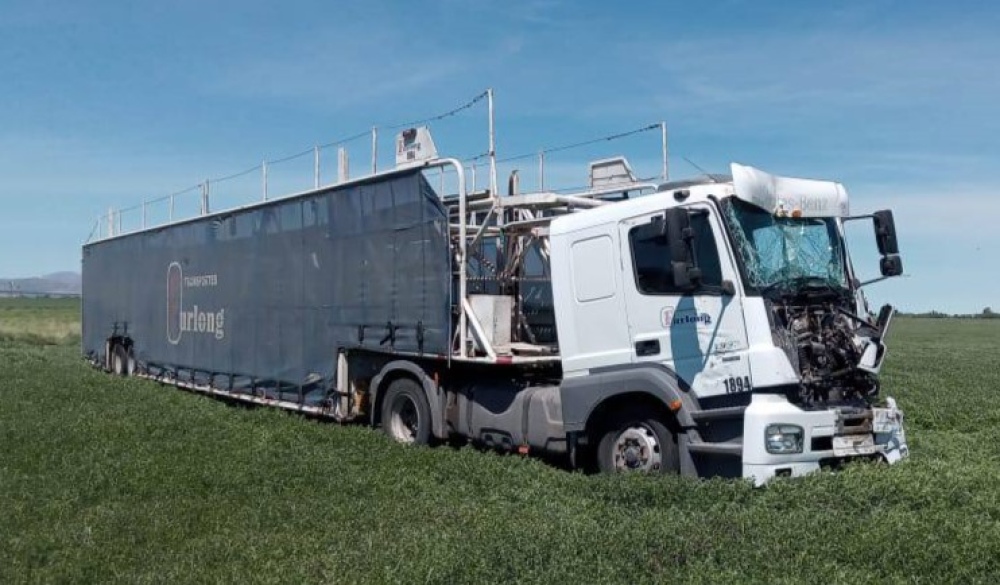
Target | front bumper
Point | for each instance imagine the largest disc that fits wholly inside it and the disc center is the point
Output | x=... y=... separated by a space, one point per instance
x=829 y=435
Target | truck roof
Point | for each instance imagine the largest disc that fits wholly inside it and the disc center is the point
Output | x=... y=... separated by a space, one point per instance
x=698 y=189
x=773 y=193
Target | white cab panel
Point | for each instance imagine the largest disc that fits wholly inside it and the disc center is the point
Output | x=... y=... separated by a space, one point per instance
x=586 y=289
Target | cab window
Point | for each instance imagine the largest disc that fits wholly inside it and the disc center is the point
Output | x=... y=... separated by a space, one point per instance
x=651 y=257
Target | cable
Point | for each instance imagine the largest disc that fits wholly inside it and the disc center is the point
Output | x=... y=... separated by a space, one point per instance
x=607 y=138
x=476 y=157
x=447 y=114
x=97 y=226
x=344 y=140
x=288 y=158
x=235 y=175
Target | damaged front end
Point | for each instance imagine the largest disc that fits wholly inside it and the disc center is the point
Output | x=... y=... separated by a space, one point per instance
x=799 y=265
x=838 y=356
x=835 y=412
x=782 y=439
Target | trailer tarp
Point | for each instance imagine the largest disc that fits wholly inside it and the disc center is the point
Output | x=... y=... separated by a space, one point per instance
x=271 y=292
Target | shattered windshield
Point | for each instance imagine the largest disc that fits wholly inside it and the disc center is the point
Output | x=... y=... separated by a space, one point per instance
x=788 y=254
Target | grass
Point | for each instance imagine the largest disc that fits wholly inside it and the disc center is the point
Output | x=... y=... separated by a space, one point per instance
x=40 y=321
x=106 y=479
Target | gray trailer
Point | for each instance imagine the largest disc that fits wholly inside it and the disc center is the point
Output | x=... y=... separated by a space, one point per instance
x=708 y=327
x=261 y=300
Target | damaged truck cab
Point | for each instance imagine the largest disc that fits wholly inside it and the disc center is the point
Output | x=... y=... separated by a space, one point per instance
x=731 y=300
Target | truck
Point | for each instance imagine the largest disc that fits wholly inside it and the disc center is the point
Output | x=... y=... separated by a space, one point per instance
x=708 y=327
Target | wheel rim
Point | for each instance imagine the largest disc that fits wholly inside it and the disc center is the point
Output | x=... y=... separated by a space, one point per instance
x=404 y=420
x=637 y=449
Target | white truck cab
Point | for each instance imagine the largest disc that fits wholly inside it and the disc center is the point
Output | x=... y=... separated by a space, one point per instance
x=731 y=299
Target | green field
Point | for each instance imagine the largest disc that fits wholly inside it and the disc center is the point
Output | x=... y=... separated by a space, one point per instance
x=105 y=479
x=40 y=321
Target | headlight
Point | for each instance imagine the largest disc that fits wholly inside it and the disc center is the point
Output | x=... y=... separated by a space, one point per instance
x=783 y=439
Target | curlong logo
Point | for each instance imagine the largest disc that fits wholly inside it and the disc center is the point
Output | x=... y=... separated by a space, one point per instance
x=195 y=320
x=668 y=318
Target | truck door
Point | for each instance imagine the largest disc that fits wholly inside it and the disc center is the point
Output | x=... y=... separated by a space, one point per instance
x=698 y=334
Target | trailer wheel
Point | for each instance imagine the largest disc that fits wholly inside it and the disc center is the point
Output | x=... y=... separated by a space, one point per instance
x=122 y=362
x=634 y=440
x=406 y=416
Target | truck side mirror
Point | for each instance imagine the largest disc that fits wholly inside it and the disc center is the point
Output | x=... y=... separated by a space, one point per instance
x=680 y=236
x=885 y=233
x=891 y=265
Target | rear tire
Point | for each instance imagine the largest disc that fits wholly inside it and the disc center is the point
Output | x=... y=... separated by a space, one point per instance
x=122 y=362
x=634 y=440
x=406 y=416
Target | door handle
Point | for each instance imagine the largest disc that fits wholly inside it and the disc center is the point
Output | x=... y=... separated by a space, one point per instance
x=647 y=347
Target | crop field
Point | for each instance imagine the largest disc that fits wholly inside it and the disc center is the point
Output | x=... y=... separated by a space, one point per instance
x=40 y=321
x=106 y=479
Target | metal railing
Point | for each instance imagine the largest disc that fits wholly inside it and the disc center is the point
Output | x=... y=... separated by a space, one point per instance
x=182 y=205
x=177 y=206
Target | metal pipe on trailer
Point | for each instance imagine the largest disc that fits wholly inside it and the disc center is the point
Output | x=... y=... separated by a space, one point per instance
x=316 y=167
x=466 y=314
x=541 y=171
x=463 y=322
x=663 y=141
x=493 y=147
x=263 y=178
x=204 y=198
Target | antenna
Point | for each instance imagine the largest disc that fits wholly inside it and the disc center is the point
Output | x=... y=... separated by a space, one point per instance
x=703 y=171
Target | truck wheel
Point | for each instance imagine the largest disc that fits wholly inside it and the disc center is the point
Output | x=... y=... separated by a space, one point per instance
x=406 y=416
x=634 y=440
x=122 y=363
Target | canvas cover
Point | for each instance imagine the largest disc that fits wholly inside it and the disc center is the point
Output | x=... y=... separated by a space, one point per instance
x=270 y=293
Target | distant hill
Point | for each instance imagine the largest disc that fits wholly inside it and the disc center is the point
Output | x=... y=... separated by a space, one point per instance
x=57 y=283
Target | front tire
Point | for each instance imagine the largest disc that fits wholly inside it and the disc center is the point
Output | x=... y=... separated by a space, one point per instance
x=635 y=440
x=406 y=416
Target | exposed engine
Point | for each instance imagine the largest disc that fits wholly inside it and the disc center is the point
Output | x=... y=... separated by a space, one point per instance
x=823 y=344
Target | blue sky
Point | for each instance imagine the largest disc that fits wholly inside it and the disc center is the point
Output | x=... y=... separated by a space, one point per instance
x=108 y=103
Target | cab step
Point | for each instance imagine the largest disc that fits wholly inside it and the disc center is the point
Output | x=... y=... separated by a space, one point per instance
x=733 y=448
x=728 y=412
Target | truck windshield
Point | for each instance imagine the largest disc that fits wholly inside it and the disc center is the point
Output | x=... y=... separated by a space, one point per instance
x=786 y=254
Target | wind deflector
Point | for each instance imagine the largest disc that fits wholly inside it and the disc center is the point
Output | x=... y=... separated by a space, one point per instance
x=273 y=291
x=776 y=194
